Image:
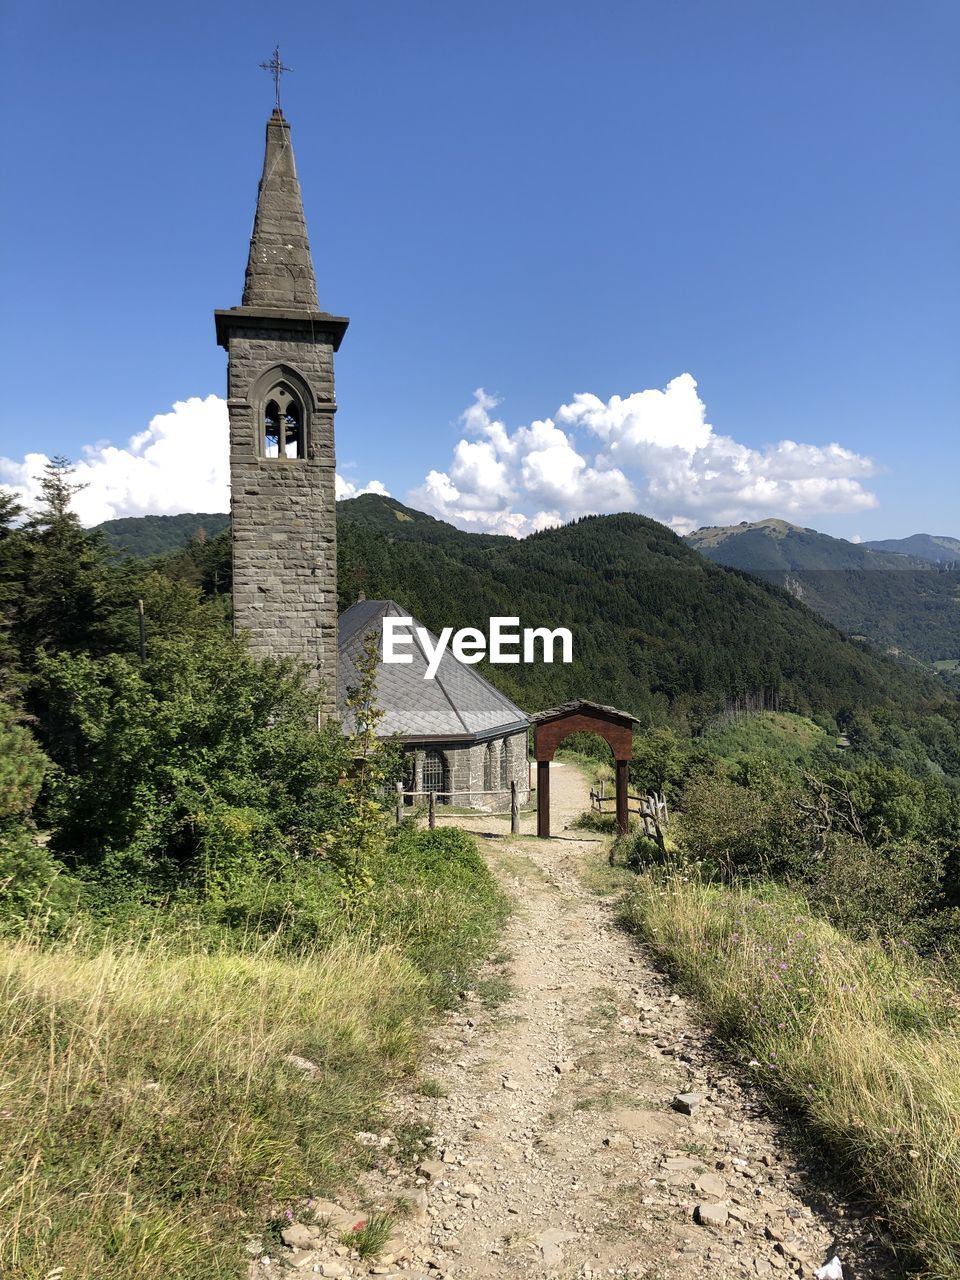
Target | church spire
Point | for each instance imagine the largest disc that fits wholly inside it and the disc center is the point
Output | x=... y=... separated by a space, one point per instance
x=280 y=270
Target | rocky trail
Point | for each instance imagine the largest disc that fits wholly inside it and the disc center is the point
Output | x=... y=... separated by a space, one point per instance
x=587 y=1126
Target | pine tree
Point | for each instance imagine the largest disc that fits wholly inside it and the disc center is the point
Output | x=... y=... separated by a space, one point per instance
x=11 y=590
x=65 y=567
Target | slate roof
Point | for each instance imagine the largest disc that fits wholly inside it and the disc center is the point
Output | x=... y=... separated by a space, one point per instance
x=457 y=705
x=581 y=704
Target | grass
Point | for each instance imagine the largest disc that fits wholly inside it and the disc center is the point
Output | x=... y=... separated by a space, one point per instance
x=776 y=735
x=604 y=1011
x=164 y=1092
x=370 y=1239
x=605 y=1100
x=600 y=876
x=432 y=1089
x=148 y=1098
x=521 y=866
x=862 y=1039
x=494 y=990
x=600 y=823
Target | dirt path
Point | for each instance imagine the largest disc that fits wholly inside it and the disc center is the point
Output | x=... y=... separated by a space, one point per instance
x=558 y=1150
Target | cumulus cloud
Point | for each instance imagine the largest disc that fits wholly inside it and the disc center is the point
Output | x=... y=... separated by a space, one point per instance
x=179 y=463
x=535 y=466
x=347 y=489
x=652 y=451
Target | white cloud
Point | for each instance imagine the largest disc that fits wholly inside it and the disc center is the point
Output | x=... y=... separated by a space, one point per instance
x=179 y=463
x=652 y=451
x=346 y=489
x=673 y=419
x=536 y=467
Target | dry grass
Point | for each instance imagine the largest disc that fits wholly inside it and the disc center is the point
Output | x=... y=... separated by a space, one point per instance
x=861 y=1037
x=148 y=1102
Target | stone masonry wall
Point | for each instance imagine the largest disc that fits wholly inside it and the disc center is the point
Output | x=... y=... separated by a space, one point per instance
x=284 y=510
x=466 y=764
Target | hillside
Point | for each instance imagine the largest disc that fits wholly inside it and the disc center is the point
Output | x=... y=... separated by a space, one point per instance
x=777 y=544
x=923 y=546
x=655 y=625
x=155 y=535
x=899 y=602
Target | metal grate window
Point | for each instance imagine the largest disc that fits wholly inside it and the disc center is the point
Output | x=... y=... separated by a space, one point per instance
x=435 y=777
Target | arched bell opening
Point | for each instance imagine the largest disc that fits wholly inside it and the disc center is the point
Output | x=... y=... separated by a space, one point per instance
x=283 y=435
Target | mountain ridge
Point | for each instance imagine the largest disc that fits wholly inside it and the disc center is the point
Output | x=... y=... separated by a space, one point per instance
x=906 y=605
x=937 y=548
x=901 y=603
x=778 y=544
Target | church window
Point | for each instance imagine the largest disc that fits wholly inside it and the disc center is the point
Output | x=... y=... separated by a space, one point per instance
x=490 y=767
x=504 y=778
x=283 y=435
x=435 y=775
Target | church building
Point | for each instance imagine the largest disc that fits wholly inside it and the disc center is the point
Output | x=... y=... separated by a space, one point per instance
x=464 y=740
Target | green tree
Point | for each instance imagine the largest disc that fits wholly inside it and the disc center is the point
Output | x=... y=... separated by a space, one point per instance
x=30 y=879
x=63 y=587
x=359 y=839
x=154 y=758
x=659 y=760
x=11 y=588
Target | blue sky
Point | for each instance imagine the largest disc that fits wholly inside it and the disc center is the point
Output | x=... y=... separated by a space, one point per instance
x=545 y=200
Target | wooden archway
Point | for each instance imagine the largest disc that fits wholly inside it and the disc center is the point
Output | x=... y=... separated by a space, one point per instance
x=550 y=729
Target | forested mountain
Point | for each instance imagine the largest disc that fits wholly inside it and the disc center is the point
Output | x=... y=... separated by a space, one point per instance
x=924 y=546
x=153 y=535
x=777 y=544
x=656 y=628
x=900 y=602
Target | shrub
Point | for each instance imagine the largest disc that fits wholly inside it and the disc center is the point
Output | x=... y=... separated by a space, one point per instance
x=659 y=761
x=742 y=828
x=32 y=887
x=638 y=851
x=889 y=889
x=34 y=891
x=160 y=761
x=591 y=820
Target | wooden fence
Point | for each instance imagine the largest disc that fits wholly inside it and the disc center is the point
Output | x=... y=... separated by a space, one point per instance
x=651 y=809
x=431 y=798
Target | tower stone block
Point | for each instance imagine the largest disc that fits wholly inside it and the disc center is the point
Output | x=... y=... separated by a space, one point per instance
x=280 y=396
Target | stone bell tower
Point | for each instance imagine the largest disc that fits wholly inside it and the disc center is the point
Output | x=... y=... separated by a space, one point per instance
x=281 y=402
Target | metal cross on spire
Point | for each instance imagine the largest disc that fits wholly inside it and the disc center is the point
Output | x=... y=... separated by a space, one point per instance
x=276 y=67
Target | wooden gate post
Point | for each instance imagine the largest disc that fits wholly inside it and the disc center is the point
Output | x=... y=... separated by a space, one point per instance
x=432 y=811
x=543 y=798
x=399 y=803
x=514 y=810
x=623 y=784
